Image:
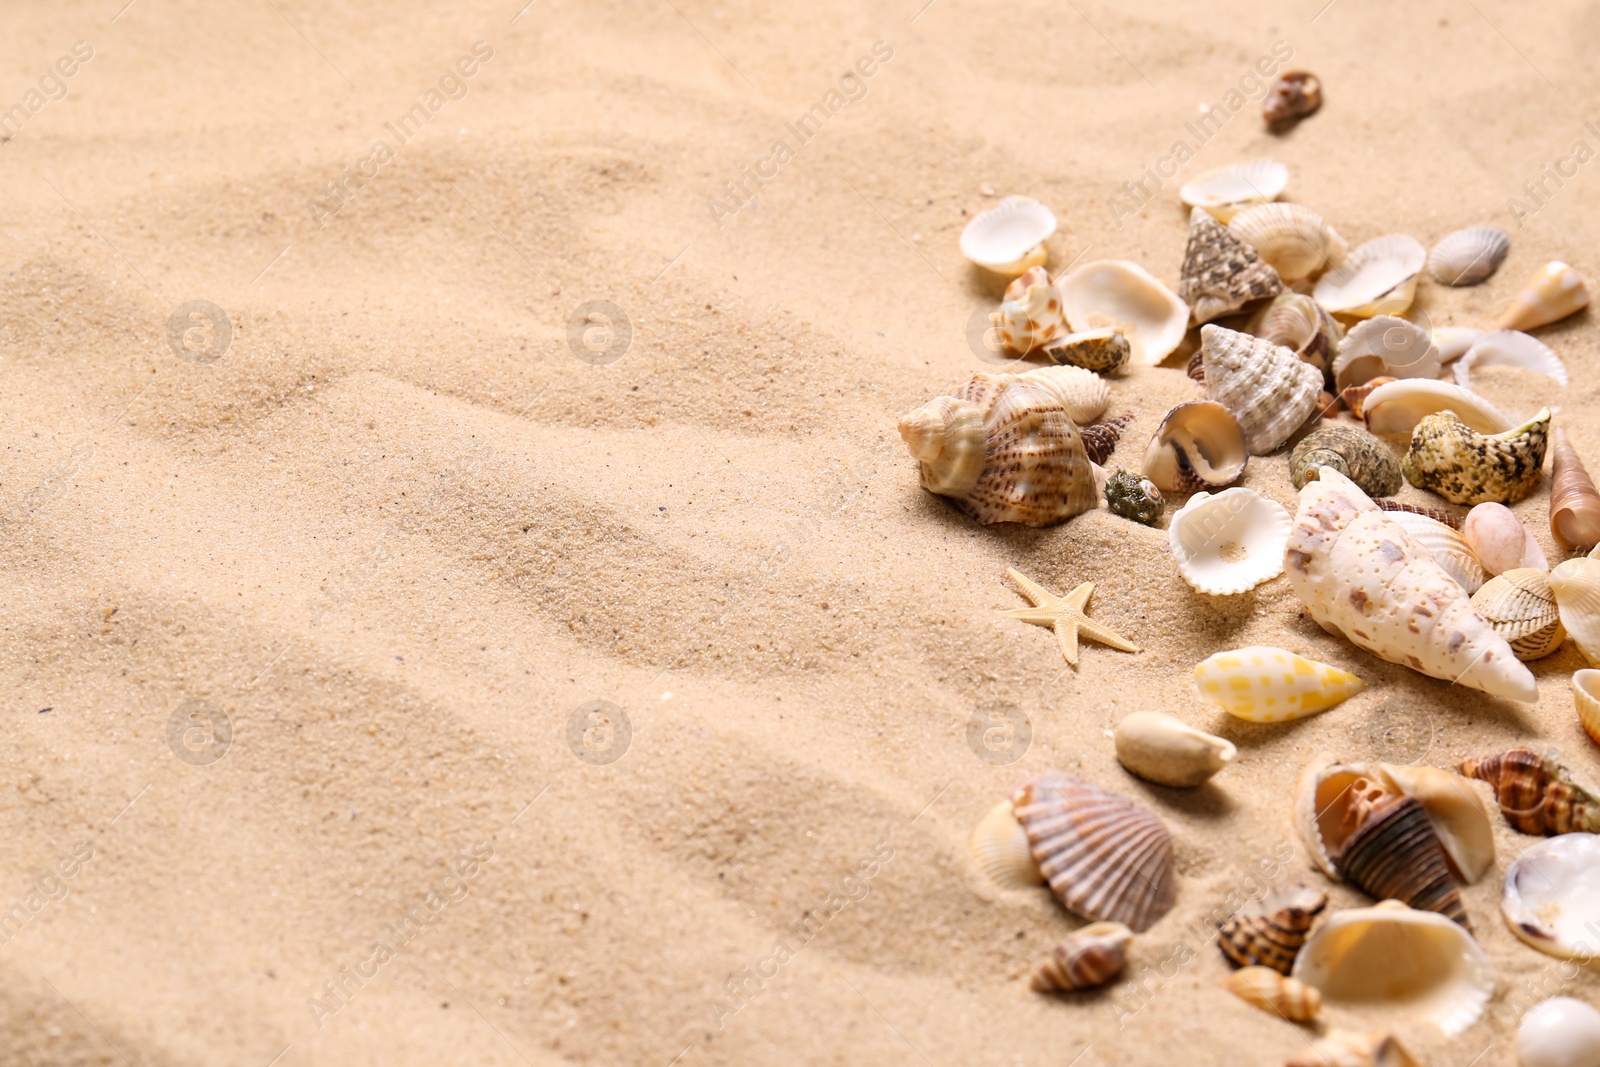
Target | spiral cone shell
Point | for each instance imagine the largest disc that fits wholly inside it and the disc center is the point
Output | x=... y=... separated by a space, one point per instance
x=1574 y=503
x=1266 y=387
x=1273 y=992
x=1221 y=273
x=1356 y=454
x=1395 y=854
x=1536 y=793
x=1086 y=959
x=1271 y=933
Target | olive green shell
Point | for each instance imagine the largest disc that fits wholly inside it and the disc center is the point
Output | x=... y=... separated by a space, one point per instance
x=1133 y=497
x=1450 y=458
x=1356 y=454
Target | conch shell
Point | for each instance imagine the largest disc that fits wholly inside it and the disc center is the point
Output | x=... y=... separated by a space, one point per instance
x=1356 y=454
x=1266 y=387
x=1363 y=578
x=1220 y=272
x=1168 y=751
x=1270 y=932
x=1574 y=503
x=1467 y=467
x=1555 y=292
x=1030 y=316
x=1536 y=793
x=1273 y=992
x=1084 y=959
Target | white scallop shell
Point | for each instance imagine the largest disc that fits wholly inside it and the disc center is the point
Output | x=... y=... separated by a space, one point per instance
x=1292 y=238
x=1559 y=1032
x=1552 y=896
x=1253 y=182
x=1447 y=547
x=1229 y=542
x=1576 y=584
x=1115 y=292
x=1397 y=407
x=1509 y=348
x=1384 y=346
x=1468 y=256
x=1378 y=277
x=1004 y=238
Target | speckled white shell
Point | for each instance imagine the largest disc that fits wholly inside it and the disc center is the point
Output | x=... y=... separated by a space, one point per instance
x=1266 y=684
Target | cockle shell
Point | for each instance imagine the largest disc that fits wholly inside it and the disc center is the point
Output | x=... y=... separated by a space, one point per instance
x=1000 y=847
x=1003 y=448
x=1464 y=466
x=1221 y=273
x=1100 y=438
x=1226 y=191
x=1270 y=932
x=1576 y=584
x=1168 y=751
x=1500 y=540
x=1300 y=324
x=1559 y=1032
x=1397 y=407
x=1521 y=607
x=1273 y=992
x=1266 y=387
x=1133 y=497
x=1586 y=698
x=1555 y=292
x=1104 y=351
x=1030 y=316
x=1354 y=453
x=1265 y=684
x=1084 y=959
x=1362 y=577
x=1292 y=238
x=1347 y=1048
x=1106 y=857
x=1229 y=542
x=1551 y=898
x=1296 y=94
x=1199 y=445
x=1574 y=502
x=1376 y=278
x=1390 y=956
x=1009 y=238
x=1447 y=547
x=1468 y=256
x=1536 y=793
x=1509 y=348
x=1384 y=346
x=1117 y=293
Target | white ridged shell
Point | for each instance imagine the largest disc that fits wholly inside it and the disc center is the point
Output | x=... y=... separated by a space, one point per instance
x=1509 y=348
x=1468 y=256
x=1396 y=407
x=1377 y=278
x=1576 y=584
x=1551 y=898
x=1269 y=389
x=1229 y=542
x=1252 y=182
x=1447 y=547
x=1292 y=238
x=1000 y=847
x=1115 y=292
x=1004 y=239
x=1385 y=346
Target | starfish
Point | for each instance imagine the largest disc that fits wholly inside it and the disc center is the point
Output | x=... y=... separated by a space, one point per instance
x=1064 y=615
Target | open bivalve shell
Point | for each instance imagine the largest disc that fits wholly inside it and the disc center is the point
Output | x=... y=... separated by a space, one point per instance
x=1385 y=346
x=1009 y=238
x=1117 y=293
x=1377 y=278
x=1468 y=256
x=1265 y=684
x=1266 y=387
x=1552 y=896
x=1291 y=238
x=1396 y=407
x=1229 y=542
x=1509 y=348
x=1521 y=607
x=1199 y=445
x=1226 y=191
x=1393 y=959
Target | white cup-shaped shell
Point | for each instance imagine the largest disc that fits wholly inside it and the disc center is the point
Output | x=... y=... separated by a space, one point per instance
x=1509 y=348
x=1168 y=751
x=1468 y=256
x=1551 y=898
x=1453 y=341
x=1006 y=239
x=1576 y=584
x=1377 y=278
x=1388 y=347
x=1115 y=292
x=1396 y=407
x=1253 y=182
x=1292 y=238
x=1229 y=542
x=1559 y=1032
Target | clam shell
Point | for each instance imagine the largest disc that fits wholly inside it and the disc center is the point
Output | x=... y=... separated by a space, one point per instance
x=1008 y=238
x=1390 y=956
x=1030 y=316
x=1084 y=959
x=1199 y=445
x=1265 y=684
x=1223 y=191
x=1468 y=256
x=1221 y=273
x=1586 y=698
x=1000 y=848
x=1133 y=497
x=1104 y=351
x=1551 y=898
x=1398 y=406
x=1377 y=278
x=1509 y=348
x=1450 y=458
x=1267 y=387
x=1536 y=793
x=1356 y=454
x=1500 y=540
x=1270 y=932
x=1521 y=607
x=1559 y=1032
x=1300 y=324
x=1384 y=346
x=1273 y=992
x=1168 y=751
x=1291 y=238
x=1084 y=394
x=1229 y=542
x=1296 y=94
x=1574 y=502
x=1447 y=547
x=1553 y=293
x=1576 y=584
x=1347 y=1048
x=1106 y=857
x=1117 y=293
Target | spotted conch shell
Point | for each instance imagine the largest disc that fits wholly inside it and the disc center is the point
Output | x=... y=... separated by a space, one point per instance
x=1362 y=577
x=1031 y=316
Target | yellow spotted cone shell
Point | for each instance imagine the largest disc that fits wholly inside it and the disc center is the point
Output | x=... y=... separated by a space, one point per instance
x=1265 y=684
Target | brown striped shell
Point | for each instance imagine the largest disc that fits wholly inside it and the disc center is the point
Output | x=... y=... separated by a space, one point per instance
x=1270 y=934
x=1084 y=959
x=1100 y=440
x=1275 y=993
x=1436 y=514
x=1536 y=793
x=1394 y=853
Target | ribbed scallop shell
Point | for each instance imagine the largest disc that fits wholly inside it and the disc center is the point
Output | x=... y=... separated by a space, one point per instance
x=1549 y=899
x=1008 y=238
x=1553 y=293
x=1574 y=502
x=1468 y=256
x=1291 y=238
x=1123 y=295
x=1448 y=548
x=1000 y=848
x=1586 y=699
x=1266 y=387
x=1509 y=348
x=1270 y=991
x=1261 y=683
x=1300 y=324
x=1271 y=932
x=1354 y=453
x=1106 y=857
x=1384 y=346
x=1199 y=445
x=1394 y=853
x=1085 y=959
x=1229 y=542
x=1398 y=406
x=1223 y=192
x=1576 y=584
x=1030 y=316
x=1221 y=273
x=1104 y=351
x=1536 y=793
x=1521 y=607
x=1377 y=278
x=1466 y=467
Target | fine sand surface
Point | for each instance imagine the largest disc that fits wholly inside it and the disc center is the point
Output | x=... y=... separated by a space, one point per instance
x=381 y=551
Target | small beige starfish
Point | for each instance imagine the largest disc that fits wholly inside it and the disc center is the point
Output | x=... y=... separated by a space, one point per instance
x=1064 y=615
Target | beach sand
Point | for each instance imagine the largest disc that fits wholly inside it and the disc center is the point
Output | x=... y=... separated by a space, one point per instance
x=302 y=633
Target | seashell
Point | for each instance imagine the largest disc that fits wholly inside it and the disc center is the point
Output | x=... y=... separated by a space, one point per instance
x=1536 y=794
x=1549 y=899
x=1447 y=547
x=1265 y=684
x=1106 y=857
x=1196 y=367
x=1000 y=847
x=1266 y=387
x=1291 y=238
x=1168 y=751
x=1355 y=396
x=1296 y=94
x=1464 y=466
x=1271 y=991
x=1133 y=497
x=1559 y=1032
x=1390 y=956
x=1003 y=448
x=1117 y=293
x=1083 y=393
x=1574 y=503
x=1354 y=453
x=1393 y=852
x=1384 y=346
x=1270 y=932
x=1468 y=256
x=1300 y=324
x=1223 y=192
x=1199 y=445
x=1576 y=584
x=1030 y=316
x=1453 y=341
x=1508 y=348
x=1586 y=698
x=1104 y=351
x=1347 y=1048
x=1500 y=540
x=1220 y=272
x=1395 y=507
x=1229 y=542
x=1009 y=238
x=1363 y=578
x=1555 y=292
x=1100 y=439
x=1084 y=959
x=1377 y=278
x=1521 y=607
x=1398 y=406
